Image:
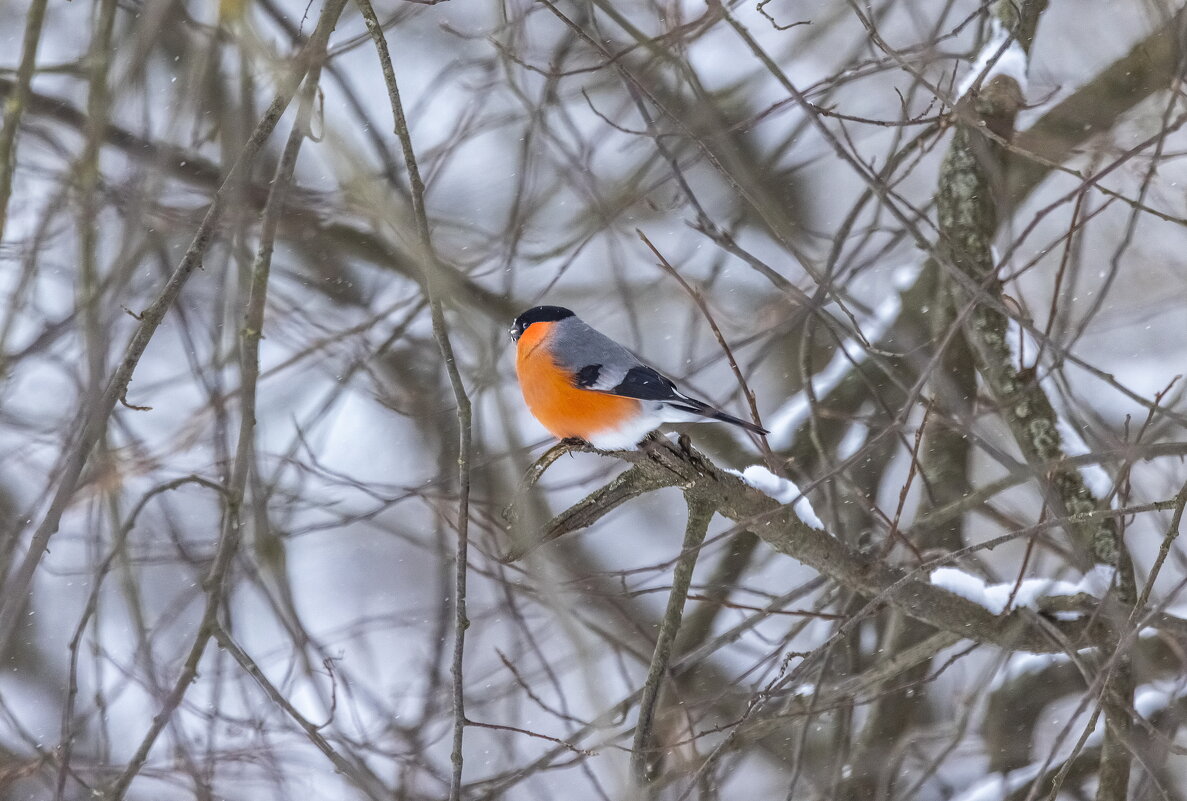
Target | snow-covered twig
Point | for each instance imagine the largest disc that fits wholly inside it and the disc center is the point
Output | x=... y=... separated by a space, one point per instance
x=1026 y=593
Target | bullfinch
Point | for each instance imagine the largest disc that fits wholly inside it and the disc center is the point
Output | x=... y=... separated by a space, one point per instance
x=581 y=384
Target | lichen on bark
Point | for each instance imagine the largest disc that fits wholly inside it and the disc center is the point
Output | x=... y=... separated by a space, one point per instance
x=971 y=199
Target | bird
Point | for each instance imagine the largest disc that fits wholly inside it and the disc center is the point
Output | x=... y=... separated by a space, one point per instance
x=580 y=384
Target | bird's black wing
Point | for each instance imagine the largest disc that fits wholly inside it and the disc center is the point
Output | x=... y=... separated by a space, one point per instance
x=646 y=383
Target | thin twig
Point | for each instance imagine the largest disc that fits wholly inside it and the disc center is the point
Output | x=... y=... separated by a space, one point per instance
x=67 y=741
x=563 y=743
x=699 y=299
x=700 y=512
x=15 y=108
x=432 y=267
x=362 y=776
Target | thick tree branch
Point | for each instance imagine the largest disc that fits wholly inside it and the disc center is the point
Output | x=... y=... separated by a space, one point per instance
x=1095 y=107
x=660 y=463
x=973 y=197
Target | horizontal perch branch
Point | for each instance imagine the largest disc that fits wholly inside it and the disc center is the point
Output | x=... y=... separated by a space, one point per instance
x=660 y=463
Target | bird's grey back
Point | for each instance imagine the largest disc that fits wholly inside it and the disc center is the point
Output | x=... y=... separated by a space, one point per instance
x=577 y=345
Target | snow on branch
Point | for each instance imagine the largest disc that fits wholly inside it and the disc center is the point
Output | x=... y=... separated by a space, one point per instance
x=660 y=463
x=1001 y=55
x=781 y=489
x=998 y=787
x=995 y=597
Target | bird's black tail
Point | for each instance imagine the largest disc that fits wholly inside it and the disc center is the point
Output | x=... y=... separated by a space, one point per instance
x=695 y=406
x=729 y=418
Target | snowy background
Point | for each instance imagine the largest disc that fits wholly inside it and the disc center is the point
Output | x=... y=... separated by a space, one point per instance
x=542 y=160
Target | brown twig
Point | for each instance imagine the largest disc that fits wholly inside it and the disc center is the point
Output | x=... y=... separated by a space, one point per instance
x=431 y=266
x=563 y=743
x=699 y=300
x=15 y=108
x=700 y=512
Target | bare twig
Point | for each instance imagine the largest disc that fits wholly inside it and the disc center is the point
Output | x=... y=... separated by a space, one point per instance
x=432 y=267
x=15 y=108
x=643 y=760
x=360 y=775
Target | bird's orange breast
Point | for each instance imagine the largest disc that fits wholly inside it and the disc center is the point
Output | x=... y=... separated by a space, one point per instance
x=563 y=408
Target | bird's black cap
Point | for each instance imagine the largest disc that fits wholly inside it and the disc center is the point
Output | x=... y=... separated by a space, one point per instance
x=537 y=314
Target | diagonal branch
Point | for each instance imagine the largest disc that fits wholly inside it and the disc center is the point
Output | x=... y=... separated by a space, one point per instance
x=627 y=485
x=1150 y=66
x=972 y=198
x=660 y=463
x=643 y=761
